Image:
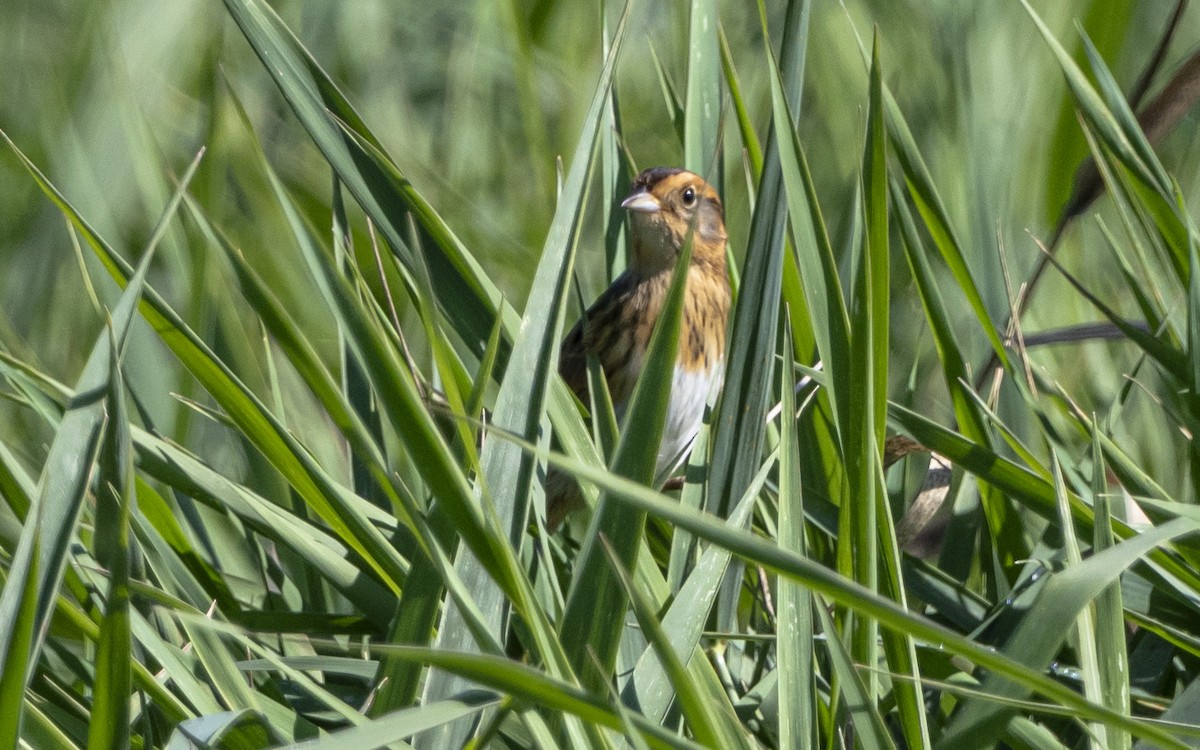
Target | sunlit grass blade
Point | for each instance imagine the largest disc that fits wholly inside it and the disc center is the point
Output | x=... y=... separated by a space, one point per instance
x=815 y=260
x=737 y=448
x=595 y=593
x=873 y=297
x=534 y=687
x=826 y=582
x=40 y=559
x=521 y=403
x=378 y=186
x=794 y=630
x=114 y=507
x=241 y=728
x=750 y=140
x=400 y=725
x=1086 y=637
x=702 y=102
x=862 y=435
x=711 y=725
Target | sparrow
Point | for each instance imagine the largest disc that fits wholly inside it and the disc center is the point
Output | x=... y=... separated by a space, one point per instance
x=665 y=205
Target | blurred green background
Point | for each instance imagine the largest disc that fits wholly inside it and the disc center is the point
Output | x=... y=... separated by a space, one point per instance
x=475 y=100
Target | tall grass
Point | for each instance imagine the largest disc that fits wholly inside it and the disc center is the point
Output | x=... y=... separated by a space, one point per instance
x=280 y=397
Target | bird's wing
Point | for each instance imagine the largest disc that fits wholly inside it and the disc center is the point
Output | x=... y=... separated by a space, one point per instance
x=593 y=333
x=572 y=360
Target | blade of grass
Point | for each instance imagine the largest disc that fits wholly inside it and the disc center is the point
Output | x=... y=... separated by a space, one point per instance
x=702 y=103
x=521 y=404
x=1113 y=664
x=826 y=582
x=650 y=688
x=371 y=177
x=596 y=596
x=398 y=725
x=862 y=707
x=863 y=435
x=711 y=725
x=737 y=449
x=114 y=506
x=40 y=559
x=794 y=630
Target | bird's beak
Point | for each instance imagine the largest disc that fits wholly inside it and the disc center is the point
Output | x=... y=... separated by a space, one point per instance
x=641 y=201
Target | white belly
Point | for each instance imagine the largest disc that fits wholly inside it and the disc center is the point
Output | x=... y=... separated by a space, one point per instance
x=685 y=413
x=689 y=394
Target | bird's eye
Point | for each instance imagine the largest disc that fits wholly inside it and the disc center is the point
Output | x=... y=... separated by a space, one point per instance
x=689 y=197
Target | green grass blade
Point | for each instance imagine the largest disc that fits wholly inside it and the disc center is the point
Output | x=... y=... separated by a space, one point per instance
x=711 y=725
x=1042 y=629
x=862 y=436
x=1110 y=618
x=40 y=559
x=794 y=628
x=702 y=103
x=521 y=403
x=384 y=193
x=869 y=729
x=876 y=300
x=737 y=448
x=815 y=259
x=596 y=595
x=650 y=687
x=114 y=502
x=399 y=725
x=749 y=137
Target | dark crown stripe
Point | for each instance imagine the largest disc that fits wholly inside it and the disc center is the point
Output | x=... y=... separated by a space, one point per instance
x=651 y=177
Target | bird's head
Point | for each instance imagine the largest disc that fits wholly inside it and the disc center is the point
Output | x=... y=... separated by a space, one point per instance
x=664 y=205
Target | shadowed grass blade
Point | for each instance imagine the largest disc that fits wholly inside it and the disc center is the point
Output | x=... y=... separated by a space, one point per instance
x=826 y=582
x=1043 y=627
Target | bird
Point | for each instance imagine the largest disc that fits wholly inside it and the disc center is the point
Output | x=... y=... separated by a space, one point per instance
x=665 y=206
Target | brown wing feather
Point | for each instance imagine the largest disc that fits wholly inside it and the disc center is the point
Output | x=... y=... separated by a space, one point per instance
x=596 y=332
